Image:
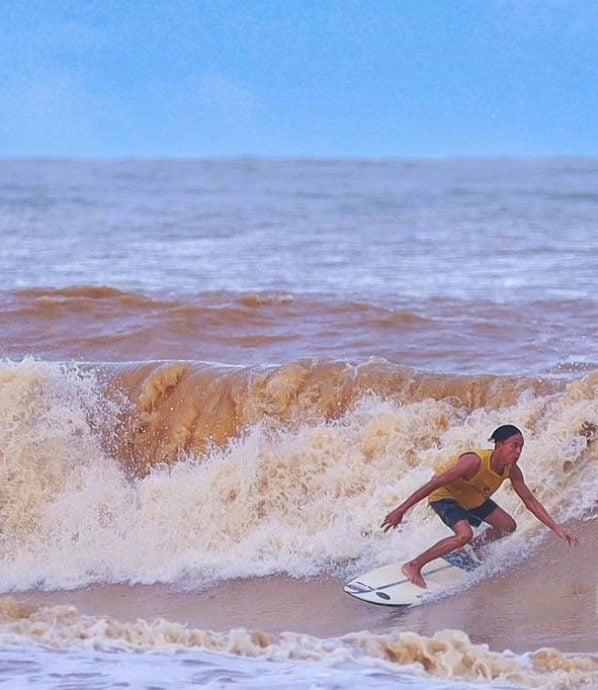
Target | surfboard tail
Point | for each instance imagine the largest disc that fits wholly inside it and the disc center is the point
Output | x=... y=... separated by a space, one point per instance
x=465 y=560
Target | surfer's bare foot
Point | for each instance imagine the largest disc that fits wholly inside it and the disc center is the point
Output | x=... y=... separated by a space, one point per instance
x=412 y=573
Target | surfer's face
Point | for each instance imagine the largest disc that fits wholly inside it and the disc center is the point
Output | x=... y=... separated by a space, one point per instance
x=510 y=450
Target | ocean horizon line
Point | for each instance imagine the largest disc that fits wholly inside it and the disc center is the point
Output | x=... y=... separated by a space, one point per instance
x=250 y=157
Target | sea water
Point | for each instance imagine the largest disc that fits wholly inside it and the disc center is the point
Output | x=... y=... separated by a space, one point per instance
x=219 y=375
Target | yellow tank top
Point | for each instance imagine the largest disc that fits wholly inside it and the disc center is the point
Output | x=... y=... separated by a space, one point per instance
x=471 y=493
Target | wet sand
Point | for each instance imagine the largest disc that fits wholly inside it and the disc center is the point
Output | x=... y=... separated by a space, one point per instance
x=549 y=600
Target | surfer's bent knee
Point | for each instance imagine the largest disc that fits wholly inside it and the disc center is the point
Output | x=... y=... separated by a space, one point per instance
x=463 y=533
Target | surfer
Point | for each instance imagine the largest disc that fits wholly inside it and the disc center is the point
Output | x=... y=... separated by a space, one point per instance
x=460 y=495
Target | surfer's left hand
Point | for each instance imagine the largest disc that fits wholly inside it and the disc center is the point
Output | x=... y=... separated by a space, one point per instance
x=567 y=536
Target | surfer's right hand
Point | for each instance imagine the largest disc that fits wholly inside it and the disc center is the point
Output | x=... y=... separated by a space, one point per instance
x=393 y=519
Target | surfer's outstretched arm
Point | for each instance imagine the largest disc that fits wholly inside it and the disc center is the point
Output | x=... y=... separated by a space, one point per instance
x=535 y=507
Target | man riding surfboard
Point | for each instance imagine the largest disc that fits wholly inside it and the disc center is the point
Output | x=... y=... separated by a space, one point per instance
x=460 y=495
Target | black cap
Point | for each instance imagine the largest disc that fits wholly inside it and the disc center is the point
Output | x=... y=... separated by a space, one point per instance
x=502 y=433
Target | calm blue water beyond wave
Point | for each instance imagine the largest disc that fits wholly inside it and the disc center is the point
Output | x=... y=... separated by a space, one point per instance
x=503 y=230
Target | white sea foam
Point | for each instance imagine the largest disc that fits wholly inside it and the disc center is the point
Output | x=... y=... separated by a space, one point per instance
x=302 y=500
x=239 y=656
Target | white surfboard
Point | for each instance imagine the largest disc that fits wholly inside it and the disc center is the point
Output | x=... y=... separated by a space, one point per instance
x=389 y=587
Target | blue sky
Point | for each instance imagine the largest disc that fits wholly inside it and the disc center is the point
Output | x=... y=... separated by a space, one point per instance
x=327 y=78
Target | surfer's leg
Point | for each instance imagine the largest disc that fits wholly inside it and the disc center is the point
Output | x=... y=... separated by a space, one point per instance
x=463 y=535
x=501 y=525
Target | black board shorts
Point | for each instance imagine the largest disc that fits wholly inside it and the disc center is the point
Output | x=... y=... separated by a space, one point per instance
x=450 y=512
